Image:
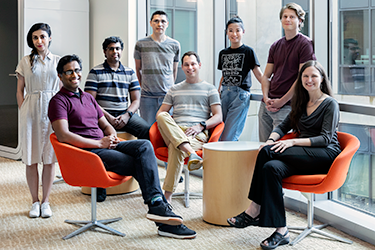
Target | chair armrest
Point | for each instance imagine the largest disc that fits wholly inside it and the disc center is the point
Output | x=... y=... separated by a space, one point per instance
x=216 y=132
x=155 y=137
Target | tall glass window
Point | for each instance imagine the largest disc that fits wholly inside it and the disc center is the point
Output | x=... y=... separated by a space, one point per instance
x=182 y=21
x=356 y=63
x=355 y=67
x=182 y=24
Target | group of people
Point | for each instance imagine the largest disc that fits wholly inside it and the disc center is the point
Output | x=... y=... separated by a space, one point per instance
x=296 y=95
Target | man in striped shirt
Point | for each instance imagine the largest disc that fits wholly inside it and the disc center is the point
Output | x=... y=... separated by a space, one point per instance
x=196 y=108
x=110 y=83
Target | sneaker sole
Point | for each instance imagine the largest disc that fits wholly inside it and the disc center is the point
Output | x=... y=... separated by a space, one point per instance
x=173 y=221
x=195 y=165
x=176 y=236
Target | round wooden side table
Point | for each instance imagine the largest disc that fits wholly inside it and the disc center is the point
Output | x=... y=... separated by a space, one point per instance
x=227 y=172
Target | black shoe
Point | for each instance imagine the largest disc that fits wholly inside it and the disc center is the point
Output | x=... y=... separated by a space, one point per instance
x=178 y=232
x=162 y=213
x=275 y=240
x=243 y=220
x=181 y=179
x=101 y=194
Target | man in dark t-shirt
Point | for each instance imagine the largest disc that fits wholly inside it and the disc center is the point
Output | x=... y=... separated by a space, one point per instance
x=286 y=56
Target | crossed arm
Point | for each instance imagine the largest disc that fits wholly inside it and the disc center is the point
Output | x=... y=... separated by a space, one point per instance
x=110 y=140
x=120 y=121
x=274 y=105
x=214 y=120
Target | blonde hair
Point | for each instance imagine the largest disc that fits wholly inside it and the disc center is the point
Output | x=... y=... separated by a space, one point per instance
x=299 y=12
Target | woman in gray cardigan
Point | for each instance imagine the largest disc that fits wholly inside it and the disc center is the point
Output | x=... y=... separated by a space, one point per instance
x=315 y=117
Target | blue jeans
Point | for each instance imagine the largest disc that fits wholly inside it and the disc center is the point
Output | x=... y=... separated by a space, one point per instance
x=268 y=120
x=134 y=158
x=235 y=104
x=149 y=107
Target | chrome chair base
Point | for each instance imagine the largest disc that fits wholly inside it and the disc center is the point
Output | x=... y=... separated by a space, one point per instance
x=310 y=226
x=187 y=194
x=315 y=229
x=93 y=223
x=59 y=179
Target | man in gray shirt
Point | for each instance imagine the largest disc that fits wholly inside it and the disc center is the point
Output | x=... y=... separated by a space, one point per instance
x=156 y=61
x=193 y=101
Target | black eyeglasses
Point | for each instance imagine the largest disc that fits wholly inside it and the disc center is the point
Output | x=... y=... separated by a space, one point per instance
x=114 y=48
x=70 y=72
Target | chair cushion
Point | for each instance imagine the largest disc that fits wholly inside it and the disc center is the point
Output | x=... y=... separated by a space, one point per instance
x=162 y=151
x=115 y=176
x=305 y=179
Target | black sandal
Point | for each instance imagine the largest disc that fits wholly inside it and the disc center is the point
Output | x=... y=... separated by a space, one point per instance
x=275 y=240
x=244 y=220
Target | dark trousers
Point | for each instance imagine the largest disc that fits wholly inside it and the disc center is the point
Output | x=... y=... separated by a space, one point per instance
x=134 y=158
x=135 y=126
x=270 y=169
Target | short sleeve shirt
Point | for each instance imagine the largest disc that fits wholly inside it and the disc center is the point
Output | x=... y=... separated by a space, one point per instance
x=286 y=56
x=112 y=86
x=157 y=61
x=236 y=65
x=81 y=111
x=192 y=102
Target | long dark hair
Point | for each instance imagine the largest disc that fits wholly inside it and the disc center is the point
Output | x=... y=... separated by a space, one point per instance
x=38 y=26
x=301 y=96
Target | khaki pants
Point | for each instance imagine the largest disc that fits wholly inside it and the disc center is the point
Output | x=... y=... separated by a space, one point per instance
x=174 y=136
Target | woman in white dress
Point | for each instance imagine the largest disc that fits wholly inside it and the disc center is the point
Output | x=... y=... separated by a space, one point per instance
x=37 y=83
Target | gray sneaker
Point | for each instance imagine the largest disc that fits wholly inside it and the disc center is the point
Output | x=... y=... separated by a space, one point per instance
x=178 y=232
x=195 y=162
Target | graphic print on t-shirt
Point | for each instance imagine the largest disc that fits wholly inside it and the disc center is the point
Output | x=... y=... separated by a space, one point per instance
x=232 y=68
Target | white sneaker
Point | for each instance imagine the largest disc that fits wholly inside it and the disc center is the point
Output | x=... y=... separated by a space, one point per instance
x=46 y=210
x=35 y=210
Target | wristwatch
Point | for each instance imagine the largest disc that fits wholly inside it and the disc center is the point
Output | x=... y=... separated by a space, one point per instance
x=130 y=113
x=203 y=124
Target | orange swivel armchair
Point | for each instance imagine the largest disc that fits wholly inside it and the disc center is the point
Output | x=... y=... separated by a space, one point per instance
x=161 y=152
x=323 y=183
x=83 y=168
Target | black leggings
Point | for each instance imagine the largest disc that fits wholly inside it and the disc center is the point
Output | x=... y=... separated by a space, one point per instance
x=271 y=168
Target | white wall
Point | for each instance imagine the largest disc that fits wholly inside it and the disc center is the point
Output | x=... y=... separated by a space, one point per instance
x=205 y=36
x=259 y=19
x=112 y=18
x=69 y=21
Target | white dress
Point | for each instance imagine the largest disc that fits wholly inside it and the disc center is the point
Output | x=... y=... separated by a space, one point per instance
x=35 y=128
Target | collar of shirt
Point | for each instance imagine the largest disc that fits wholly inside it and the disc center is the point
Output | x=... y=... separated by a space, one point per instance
x=106 y=66
x=70 y=93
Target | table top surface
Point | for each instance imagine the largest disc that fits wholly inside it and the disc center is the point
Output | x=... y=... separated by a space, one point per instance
x=233 y=145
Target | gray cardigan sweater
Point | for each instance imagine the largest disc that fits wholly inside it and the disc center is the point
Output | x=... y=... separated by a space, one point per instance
x=320 y=126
